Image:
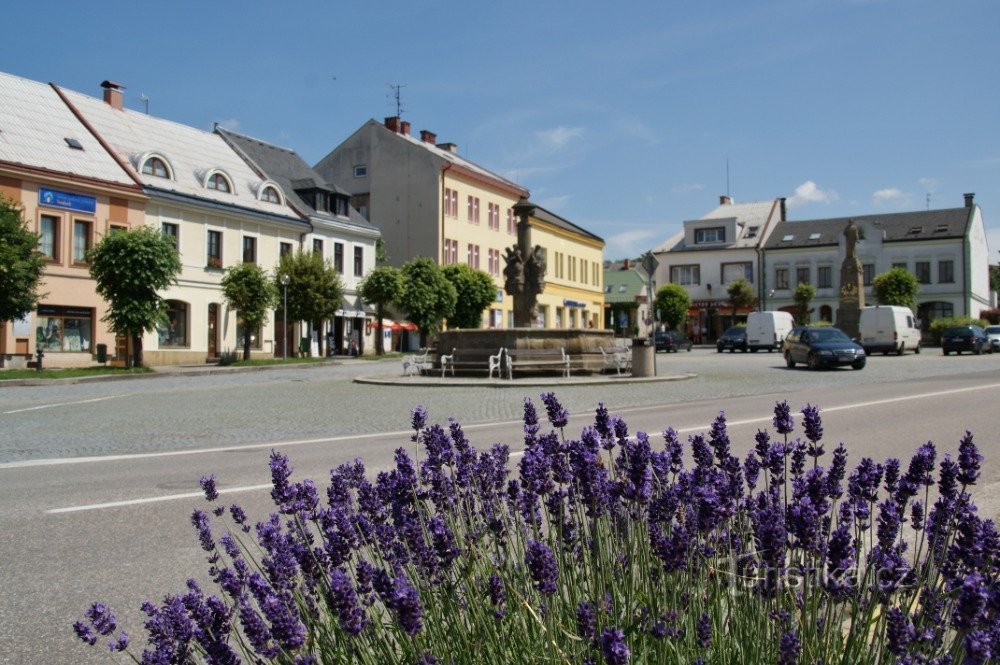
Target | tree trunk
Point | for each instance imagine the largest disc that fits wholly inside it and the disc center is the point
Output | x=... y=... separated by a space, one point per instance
x=379 y=339
x=137 y=349
x=246 y=343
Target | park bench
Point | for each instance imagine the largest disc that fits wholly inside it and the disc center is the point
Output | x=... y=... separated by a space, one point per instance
x=488 y=359
x=417 y=363
x=537 y=359
x=619 y=357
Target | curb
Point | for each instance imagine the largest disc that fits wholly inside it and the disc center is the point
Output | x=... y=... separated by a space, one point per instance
x=429 y=381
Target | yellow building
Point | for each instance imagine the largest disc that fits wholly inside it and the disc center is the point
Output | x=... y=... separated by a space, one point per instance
x=431 y=202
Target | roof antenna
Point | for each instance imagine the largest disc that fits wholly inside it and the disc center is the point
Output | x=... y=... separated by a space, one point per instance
x=728 y=193
x=928 y=200
x=396 y=94
x=145 y=101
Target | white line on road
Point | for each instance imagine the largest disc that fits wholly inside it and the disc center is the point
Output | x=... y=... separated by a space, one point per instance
x=52 y=406
x=248 y=488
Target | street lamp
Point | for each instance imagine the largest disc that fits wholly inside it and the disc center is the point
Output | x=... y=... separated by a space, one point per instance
x=285 y=279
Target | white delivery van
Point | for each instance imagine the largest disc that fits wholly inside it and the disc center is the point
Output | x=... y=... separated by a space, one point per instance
x=767 y=330
x=888 y=328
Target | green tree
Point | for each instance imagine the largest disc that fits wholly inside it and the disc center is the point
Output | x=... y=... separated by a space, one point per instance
x=315 y=290
x=249 y=290
x=995 y=278
x=427 y=297
x=475 y=291
x=381 y=287
x=803 y=296
x=21 y=265
x=131 y=267
x=672 y=304
x=381 y=256
x=897 y=286
x=741 y=294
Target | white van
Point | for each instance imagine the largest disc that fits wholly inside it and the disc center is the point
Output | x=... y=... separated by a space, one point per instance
x=767 y=330
x=888 y=328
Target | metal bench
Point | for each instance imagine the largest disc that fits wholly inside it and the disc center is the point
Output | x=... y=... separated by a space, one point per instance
x=417 y=363
x=537 y=359
x=488 y=359
x=619 y=357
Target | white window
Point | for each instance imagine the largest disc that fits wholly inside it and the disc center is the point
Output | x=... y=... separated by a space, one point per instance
x=685 y=275
x=714 y=234
x=360 y=171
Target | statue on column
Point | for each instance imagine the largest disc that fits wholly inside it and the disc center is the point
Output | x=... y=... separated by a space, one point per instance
x=524 y=274
x=852 y=286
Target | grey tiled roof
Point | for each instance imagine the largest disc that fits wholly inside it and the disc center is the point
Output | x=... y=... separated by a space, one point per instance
x=897 y=227
x=556 y=220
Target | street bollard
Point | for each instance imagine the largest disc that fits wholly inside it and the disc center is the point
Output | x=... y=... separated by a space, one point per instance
x=39 y=354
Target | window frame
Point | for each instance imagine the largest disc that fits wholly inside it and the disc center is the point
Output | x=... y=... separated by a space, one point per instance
x=338 y=257
x=359 y=261
x=278 y=199
x=284 y=248
x=318 y=246
x=701 y=236
x=88 y=240
x=214 y=177
x=781 y=278
x=803 y=271
x=946 y=276
x=213 y=259
x=747 y=272
x=824 y=277
x=153 y=160
x=687 y=274
x=867 y=274
x=174 y=233
x=55 y=255
x=922 y=271
x=250 y=246
x=473 y=209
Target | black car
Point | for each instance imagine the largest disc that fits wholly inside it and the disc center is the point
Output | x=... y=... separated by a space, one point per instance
x=734 y=338
x=965 y=338
x=671 y=340
x=822 y=347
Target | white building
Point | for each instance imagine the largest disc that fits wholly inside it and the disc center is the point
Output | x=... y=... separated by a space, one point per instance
x=945 y=249
x=714 y=250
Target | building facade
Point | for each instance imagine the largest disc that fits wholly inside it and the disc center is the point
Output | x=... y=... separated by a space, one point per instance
x=73 y=192
x=626 y=298
x=945 y=249
x=712 y=251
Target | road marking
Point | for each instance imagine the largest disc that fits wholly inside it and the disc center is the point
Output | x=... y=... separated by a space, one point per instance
x=153 y=499
x=52 y=406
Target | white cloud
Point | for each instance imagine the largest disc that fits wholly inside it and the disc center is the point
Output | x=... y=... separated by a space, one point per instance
x=627 y=243
x=930 y=184
x=889 y=196
x=809 y=192
x=232 y=124
x=558 y=138
x=686 y=187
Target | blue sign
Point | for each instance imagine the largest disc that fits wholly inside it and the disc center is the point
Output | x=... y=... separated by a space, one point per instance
x=67 y=200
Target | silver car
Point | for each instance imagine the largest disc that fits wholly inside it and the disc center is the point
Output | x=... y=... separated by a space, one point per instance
x=993 y=335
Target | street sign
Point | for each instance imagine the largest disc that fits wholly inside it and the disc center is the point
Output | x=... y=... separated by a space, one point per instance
x=649 y=263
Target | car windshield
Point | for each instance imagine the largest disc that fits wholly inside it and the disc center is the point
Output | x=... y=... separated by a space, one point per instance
x=828 y=335
x=735 y=331
x=993 y=330
x=951 y=332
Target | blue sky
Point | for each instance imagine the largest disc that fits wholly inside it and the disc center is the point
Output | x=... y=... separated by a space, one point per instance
x=621 y=118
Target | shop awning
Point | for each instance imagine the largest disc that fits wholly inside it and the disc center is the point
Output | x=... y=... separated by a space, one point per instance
x=403 y=325
x=351 y=307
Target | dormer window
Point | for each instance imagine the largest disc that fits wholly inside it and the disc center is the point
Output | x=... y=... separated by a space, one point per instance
x=270 y=194
x=752 y=231
x=339 y=206
x=714 y=234
x=156 y=166
x=219 y=182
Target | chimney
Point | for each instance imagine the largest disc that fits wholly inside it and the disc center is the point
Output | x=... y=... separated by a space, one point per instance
x=626 y=264
x=392 y=124
x=428 y=136
x=783 y=209
x=450 y=147
x=113 y=95
x=968 y=199
x=724 y=200
x=404 y=128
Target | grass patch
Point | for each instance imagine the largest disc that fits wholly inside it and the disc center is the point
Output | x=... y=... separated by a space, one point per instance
x=69 y=373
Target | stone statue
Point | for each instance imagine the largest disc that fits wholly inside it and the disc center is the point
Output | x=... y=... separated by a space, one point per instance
x=535 y=270
x=852 y=289
x=514 y=271
x=852 y=234
x=524 y=274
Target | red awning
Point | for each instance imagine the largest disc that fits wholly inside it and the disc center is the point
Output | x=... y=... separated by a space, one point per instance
x=403 y=325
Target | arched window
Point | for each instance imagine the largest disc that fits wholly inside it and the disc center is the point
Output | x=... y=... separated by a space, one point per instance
x=219 y=182
x=157 y=167
x=270 y=194
x=174 y=333
x=826 y=313
x=936 y=309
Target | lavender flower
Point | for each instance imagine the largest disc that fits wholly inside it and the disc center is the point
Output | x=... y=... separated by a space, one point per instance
x=281 y=492
x=84 y=632
x=405 y=602
x=558 y=416
x=613 y=646
x=972 y=599
x=208 y=485
x=344 y=601
x=601 y=422
x=418 y=420
x=199 y=519
x=899 y=631
x=783 y=421
x=703 y=631
x=586 y=620
x=789 y=649
x=101 y=618
x=968 y=460
x=541 y=563
x=498 y=596
x=814 y=429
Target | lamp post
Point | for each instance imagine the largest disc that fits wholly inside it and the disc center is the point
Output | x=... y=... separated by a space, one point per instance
x=285 y=279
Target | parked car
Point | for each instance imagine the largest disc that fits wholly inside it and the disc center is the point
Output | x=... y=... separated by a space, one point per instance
x=671 y=340
x=734 y=338
x=965 y=338
x=767 y=330
x=823 y=347
x=993 y=334
x=889 y=328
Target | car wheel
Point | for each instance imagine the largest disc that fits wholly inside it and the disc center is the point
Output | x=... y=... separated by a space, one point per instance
x=743 y=350
x=732 y=350
x=788 y=361
x=902 y=346
x=813 y=361
x=945 y=351
x=718 y=349
x=979 y=350
x=858 y=364
x=916 y=349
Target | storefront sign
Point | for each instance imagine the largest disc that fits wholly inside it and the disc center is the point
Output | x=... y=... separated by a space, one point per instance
x=707 y=304
x=573 y=303
x=58 y=310
x=67 y=200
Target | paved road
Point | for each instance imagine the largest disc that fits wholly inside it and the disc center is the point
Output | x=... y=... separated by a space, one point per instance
x=117 y=528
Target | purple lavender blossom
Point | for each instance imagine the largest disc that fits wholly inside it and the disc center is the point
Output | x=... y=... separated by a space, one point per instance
x=601 y=422
x=530 y=420
x=558 y=415
x=613 y=646
x=789 y=649
x=968 y=461
x=891 y=467
x=586 y=620
x=899 y=631
x=762 y=444
x=281 y=492
x=978 y=648
x=344 y=601
x=840 y=578
x=84 y=632
x=783 y=421
x=418 y=420
x=208 y=485
x=838 y=469
x=703 y=631
x=119 y=643
x=239 y=516
x=541 y=563
x=813 y=426
x=405 y=602
x=890 y=518
x=200 y=521
x=973 y=597
x=498 y=597
x=101 y=618
x=718 y=437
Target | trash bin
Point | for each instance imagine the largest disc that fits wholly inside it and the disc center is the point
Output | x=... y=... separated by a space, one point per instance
x=643 y=357
x=304 y=346
x=102 y=353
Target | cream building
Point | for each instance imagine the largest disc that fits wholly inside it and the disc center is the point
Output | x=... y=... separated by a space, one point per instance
x=73 y=193
x=431 y=202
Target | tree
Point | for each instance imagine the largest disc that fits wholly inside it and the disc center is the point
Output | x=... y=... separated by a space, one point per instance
x=803 y=295
x=897 y=286
x=475 y=291
x=381 y=287
x=381 y=256
x=672 y=304
x=315 y=291
x=130 y=268
x=740 y=295
x=248 y=289
x=427 y=296
x=995 y=278
x=21 y=265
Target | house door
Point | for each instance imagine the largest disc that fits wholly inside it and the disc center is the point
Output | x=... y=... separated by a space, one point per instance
x=213 y=330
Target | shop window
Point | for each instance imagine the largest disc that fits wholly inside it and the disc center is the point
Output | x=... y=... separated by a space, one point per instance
x=255 y=336
x=49 y=243
x=174 y=333
x=64 y=329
